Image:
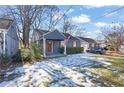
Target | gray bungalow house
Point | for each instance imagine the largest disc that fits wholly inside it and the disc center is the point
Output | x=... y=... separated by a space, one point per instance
x=50 y=41
x=9 y=41
x=71 y=41
x=87 y=43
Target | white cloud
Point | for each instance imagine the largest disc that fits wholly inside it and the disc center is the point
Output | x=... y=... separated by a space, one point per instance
x=93 y=34
x=81 y=19
x=101 y=24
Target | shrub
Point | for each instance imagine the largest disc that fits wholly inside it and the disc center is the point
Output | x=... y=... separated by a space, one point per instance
x=17 y=57
x=37 y=51
x=72 y=50
x=5 y=59
x=23 y=55
x=109 y=47
x=28 y=55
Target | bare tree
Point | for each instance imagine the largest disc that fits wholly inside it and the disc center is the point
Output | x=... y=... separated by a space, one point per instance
x=26 y=17
x=29 y=17
x=114 y=35
x=80 y=31
x=52 y=17
x=55 y=16
x=67 y=25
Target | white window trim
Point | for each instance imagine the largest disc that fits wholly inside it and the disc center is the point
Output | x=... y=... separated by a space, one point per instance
x=74 y=43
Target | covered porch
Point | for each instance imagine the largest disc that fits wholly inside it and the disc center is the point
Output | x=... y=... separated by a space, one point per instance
x=52 y=44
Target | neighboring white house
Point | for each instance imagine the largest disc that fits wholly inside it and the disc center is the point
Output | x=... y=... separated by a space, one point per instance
x=101 y=43
x=86 y=43
x=9 y=41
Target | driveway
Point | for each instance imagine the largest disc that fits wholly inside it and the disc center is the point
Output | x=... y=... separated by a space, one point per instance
x=69 y=71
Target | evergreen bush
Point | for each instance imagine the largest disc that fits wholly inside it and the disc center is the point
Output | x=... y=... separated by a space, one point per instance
x=31 y=54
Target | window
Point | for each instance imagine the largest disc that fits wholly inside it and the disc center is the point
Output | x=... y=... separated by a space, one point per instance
x=62 y=43
x=74 y=43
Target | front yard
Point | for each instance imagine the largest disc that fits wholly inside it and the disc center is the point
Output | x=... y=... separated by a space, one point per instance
x=78 y=70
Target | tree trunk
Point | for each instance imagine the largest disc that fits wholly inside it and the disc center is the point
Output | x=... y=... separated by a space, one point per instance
x=26 y=38
x=26 y=31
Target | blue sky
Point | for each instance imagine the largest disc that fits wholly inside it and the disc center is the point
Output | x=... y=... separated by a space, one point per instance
x=84 y=16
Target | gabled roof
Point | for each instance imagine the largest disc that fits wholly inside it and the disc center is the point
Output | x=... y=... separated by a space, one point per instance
x=5 y=23
x=89 y=40
x=71 y=37
x=53 y=35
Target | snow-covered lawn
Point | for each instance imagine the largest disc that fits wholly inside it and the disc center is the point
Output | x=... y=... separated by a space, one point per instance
x=69 y=71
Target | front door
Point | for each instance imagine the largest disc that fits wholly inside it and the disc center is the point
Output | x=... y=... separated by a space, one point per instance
x=50 y=46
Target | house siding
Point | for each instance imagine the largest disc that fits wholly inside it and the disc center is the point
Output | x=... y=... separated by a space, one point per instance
x=11 y=46
x=56 y=47
x=78 y=43
x=11 y=41
x=36 y=36
x=70 y=43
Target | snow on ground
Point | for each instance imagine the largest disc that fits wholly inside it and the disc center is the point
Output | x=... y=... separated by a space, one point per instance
x=56 y=72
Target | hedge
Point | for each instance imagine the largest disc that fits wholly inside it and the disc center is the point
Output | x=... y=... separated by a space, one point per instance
x=72 y=50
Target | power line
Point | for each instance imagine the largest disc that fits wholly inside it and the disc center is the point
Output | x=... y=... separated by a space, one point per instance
x=109 y=13
x=104 y=15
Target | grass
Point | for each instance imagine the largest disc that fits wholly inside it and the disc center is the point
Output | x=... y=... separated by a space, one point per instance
x=107 y=75
x=117 y=62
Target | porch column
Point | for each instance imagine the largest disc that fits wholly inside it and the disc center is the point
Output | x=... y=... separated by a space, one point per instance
x=44 y=47
x=65 y=48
